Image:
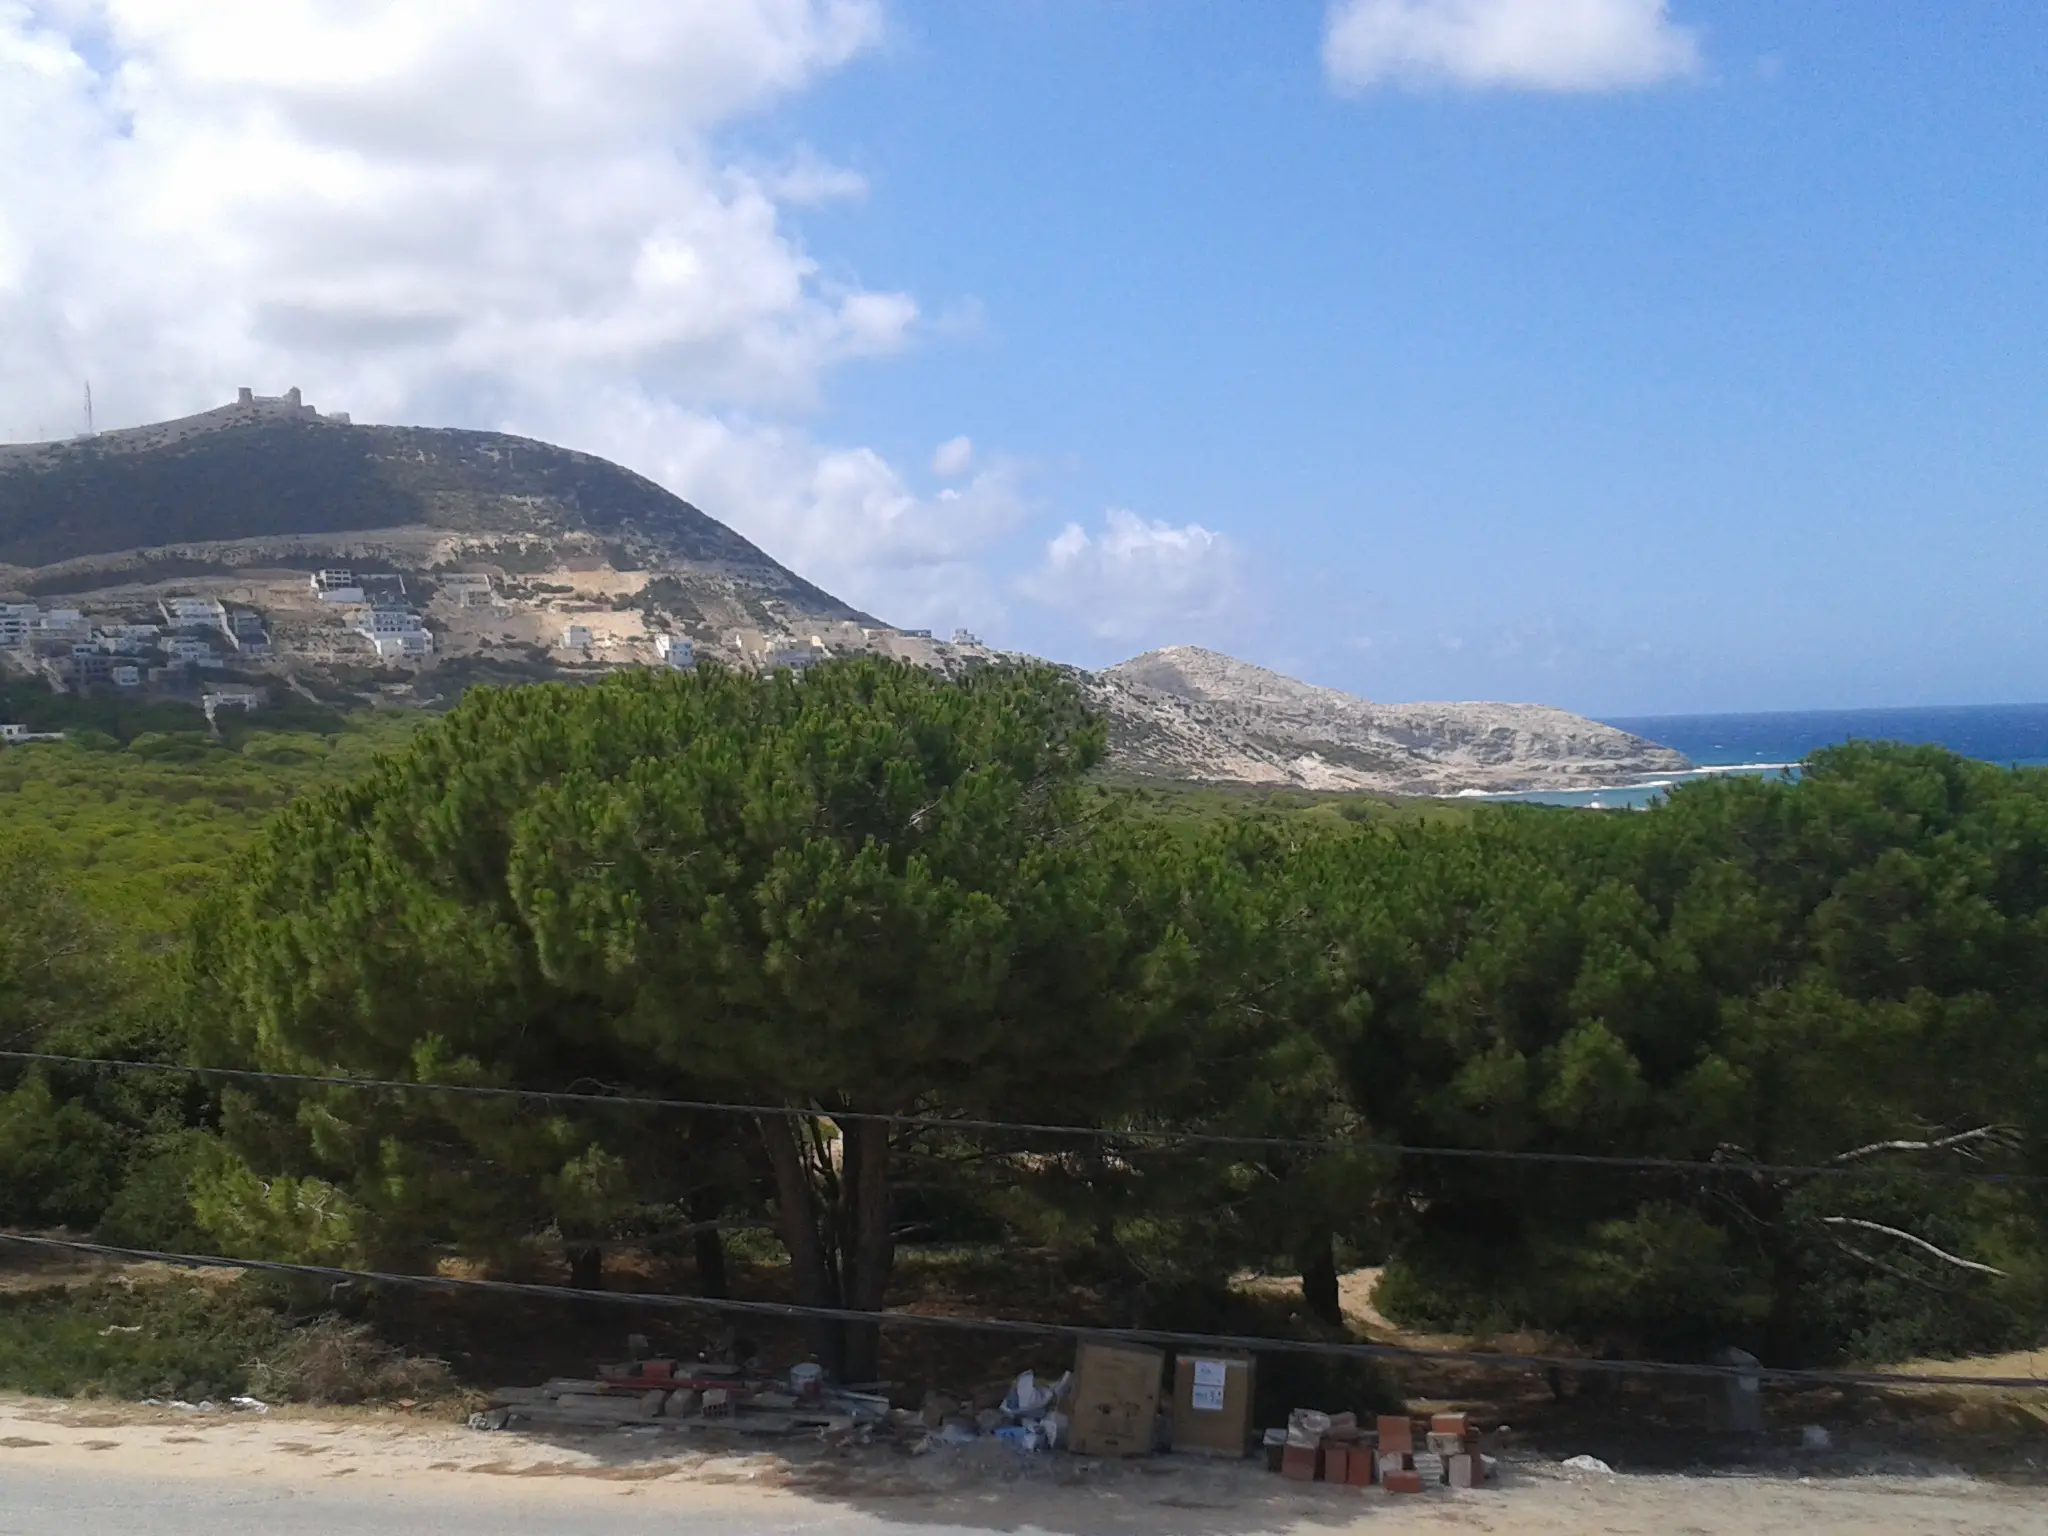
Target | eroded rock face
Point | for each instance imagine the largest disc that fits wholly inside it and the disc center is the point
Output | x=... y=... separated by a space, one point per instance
x=1187 y=713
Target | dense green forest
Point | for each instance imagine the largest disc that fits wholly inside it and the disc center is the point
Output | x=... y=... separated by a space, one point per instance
x=877 y=891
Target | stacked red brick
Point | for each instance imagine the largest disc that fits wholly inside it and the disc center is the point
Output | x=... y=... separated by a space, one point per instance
x=1398 y=1473
x=1403 y=1455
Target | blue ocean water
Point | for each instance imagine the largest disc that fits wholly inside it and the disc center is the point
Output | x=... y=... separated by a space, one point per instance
x=1997 y=733
x=2007 y=734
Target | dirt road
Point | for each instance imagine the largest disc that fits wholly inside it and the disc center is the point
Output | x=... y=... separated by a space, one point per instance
x=68 y=1468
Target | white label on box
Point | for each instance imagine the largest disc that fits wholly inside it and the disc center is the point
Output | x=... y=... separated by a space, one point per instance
x=1206 y=1399
x=1209 y=1373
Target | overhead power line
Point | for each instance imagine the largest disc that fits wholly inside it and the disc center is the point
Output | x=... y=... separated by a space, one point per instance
x=1164 y=1337
x=1030 y=1128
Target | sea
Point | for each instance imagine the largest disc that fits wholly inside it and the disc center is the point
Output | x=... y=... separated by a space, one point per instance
x=1774 y=744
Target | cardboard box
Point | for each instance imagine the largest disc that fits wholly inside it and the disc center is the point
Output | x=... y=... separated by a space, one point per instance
x=1397 y=1435
x=1303 y=1463
x=1336 y=1462
x=1398 y=1461
x=1212 y=1404
x=1463 y=1471
x=1116 y=1399
x=1450 y=1424
x=1403 y=1482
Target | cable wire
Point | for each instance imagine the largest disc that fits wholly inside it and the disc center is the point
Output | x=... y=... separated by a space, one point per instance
x=1029 y=1128
x=1166 y=1337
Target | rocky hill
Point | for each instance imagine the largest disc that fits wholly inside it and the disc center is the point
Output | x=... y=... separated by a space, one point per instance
x=1187 y=713
x=264 y=546
x=217 y=489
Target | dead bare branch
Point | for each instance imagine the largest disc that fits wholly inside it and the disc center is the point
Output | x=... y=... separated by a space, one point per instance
x=1918 y=1242
x=1998 y=1135
x=1890 y=1269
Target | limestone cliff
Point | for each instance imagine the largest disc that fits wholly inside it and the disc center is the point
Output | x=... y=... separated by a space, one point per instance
x=1187 y=713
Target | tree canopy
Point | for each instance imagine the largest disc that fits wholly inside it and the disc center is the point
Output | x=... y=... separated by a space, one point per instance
x=873 y=891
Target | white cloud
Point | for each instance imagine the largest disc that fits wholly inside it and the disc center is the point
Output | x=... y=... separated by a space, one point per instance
x=515 y=214
x=1536 y=45
x=444 y=212
x=808 y=180
x=841 y=517
x=1137 y=578
x=954 y=458
x=493 y=213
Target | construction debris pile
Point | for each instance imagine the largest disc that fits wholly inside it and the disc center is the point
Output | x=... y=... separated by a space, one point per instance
x=678 y=1395
x=656 y=1395
x=1119 y=1400
x=1401 y=1455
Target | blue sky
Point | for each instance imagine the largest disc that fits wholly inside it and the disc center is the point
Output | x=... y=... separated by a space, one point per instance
x=1638 y=356
x=1722 y=393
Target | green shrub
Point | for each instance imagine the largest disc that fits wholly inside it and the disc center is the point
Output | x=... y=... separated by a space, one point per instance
x=63 y=1162
x=172 y=1339
x=153 y=1208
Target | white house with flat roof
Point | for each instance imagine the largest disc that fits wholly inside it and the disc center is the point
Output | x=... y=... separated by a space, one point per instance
x=217 y=699
x=402 y=643
x=63 y=625
x=337 y=584
x=192 y=648
x=194 y=613
x=18 y=624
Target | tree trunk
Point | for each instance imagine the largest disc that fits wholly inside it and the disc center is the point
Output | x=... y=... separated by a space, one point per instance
x=870 y=1242
x=1317 y=1256
x=586 y=1268
x=705 y=1208
x=797 y=1210
x=1782 y=1325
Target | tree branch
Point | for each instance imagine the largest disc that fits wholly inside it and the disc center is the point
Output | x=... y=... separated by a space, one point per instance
x=1918 y=1242
x=1890 y=1269
x=1999 y=1134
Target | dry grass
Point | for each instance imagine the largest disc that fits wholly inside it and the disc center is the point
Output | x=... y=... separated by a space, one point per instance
x=332 y=1361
